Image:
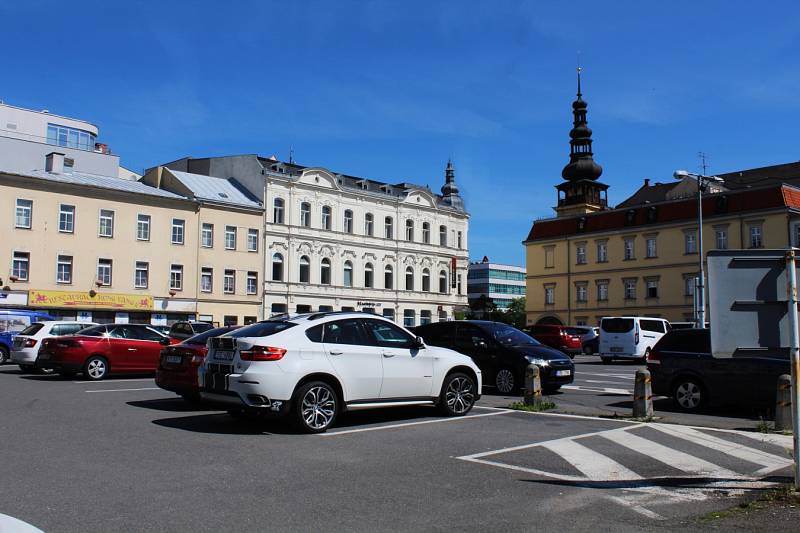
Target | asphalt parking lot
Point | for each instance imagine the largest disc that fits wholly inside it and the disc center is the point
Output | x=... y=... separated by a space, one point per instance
x=123 y=455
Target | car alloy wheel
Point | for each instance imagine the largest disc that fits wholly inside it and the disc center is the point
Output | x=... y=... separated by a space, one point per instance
x=504 y=380
x=460 y=395
x=688 y=395
x=96 y=368
x=317 y=406
x=3 y=355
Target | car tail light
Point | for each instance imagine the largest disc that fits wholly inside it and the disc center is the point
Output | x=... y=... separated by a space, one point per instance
x=636 y=335
x=262 y=353
x=654 y=357
x=198 y=359
x=30 y=343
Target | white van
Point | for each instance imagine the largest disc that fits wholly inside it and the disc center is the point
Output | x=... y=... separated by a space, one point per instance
x=629 y=337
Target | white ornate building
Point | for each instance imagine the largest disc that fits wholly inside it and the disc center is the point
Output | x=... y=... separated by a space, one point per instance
x=336 y=242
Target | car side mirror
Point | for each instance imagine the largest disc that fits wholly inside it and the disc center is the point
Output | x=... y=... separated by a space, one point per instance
x=419 y=342
x=164 y=341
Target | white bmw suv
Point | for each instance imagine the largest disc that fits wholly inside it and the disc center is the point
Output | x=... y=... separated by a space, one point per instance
x=312 y=367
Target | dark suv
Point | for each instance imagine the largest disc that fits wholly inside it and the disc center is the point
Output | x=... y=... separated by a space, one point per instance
x=184 y=330
x=502 y=352
x=681 y=366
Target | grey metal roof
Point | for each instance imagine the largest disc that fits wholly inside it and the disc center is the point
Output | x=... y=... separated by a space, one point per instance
x=95 y=180
x=213 y=189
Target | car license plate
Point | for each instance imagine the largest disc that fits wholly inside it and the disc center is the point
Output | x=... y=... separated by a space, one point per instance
x=44 y=355
x=616 y=349
x=224 y=355
x=174 y=359
x=563 y=372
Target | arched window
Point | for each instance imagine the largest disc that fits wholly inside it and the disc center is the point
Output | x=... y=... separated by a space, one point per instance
x=305 y=269
x=426 y=233
x=369 y=224
x=277 y=267
x=388 y=277
x=409 y=230
x=348 y=274
x=442 y=235
x=388 y=227
x=326 y=217
x=305 y=214
x=348 y=221
x=368 y=275
x=277 y=211
x=443 y=281
x=325 y=271
x=409 y=279
x=426 y=280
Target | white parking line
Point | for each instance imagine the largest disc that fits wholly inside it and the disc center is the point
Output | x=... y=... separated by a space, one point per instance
x=123 y=390
x=598 y=381
x=621 y=392
x=116 y=380
x=619 y=376
x=408 y=424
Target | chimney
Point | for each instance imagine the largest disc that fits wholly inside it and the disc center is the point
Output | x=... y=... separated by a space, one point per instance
x=647 y=182
x=54 y=162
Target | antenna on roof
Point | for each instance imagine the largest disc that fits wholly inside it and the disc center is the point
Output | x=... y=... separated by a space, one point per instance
x=704 y=164
x=291 y=154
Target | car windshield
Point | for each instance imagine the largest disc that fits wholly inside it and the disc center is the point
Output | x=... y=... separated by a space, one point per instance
x=262 y=329
x=509 y=336
x=201 y=327
x=617 y=325
x=577 y=331
x=32 y=329
x=94 y=331
x=14 y=323
x=201 y=338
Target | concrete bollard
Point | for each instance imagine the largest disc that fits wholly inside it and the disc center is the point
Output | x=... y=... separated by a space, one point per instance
x=642 y=395
x=783 y=404
x=533 y=386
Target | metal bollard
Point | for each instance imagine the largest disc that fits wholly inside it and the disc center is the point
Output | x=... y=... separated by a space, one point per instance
x=533 y=386
x=642 y=395
x=783 y=404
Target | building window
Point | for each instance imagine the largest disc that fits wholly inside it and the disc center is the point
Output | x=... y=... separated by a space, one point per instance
x=277 y=211
x=425 y=317
x=230 y=320
x=348 y=274
x=689 y=285
x=581 y=293
x=70 y=137
x=652 y=288
x=66 y=218
x=580 y=254
x=178 y=227
x=369 y=223
x=229 y=282
x=549 y=257
x=277 y=267
x=409 y=279
x=409 y=230
x=305 y=214
x=141 y=277
x=252 y=240
x=630 y=289
x=756 y=240
x=458 y=240
x=104 y=271
x=20 y=265
x=305 y=269
x=602 y=291
x=207 y=236
x=326 y=217
x=690 y=242
x=629 y=250
x=368 y=275
x=602 y=252
x=106 y=223
x=388 y=226
x=64 y=269
x=230 y=237
x=721 y=235
x=325 y=271
x=442 y=281
x=426 y=280
x=651 y=247
x=142 y=227
x=176 y=277
x=442 y=235
x=426 y=233
x=388 y=277
x=549 y=295
x=348 y=221
x=206 y=279
x=409 y=318
x=252 y=283
x=458 y=284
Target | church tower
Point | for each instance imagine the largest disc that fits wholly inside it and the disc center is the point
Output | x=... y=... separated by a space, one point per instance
x=580 y=193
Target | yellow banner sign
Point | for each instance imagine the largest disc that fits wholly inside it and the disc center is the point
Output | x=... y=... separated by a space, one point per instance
x=84 y=300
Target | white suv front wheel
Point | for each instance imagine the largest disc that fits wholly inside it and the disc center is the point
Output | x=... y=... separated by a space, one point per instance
x=458 y=394
x=316 y=406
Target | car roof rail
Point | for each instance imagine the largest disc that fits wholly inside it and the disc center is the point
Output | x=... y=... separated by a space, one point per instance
x=323 y=314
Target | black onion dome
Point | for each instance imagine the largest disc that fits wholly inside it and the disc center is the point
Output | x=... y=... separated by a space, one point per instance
x=581 y=164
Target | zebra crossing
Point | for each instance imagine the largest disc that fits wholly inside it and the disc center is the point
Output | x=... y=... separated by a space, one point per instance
x=651 y=463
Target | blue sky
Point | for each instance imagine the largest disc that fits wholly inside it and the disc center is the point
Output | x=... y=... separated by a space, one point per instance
x=390 y=90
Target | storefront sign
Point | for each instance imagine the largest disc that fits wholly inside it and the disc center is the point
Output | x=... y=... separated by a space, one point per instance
x=453 y=272
x=84 y=300
x=368 y=304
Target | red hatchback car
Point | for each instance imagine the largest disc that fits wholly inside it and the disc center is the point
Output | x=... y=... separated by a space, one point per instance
x=558 y=337
x=177 y=368
x=101 y=350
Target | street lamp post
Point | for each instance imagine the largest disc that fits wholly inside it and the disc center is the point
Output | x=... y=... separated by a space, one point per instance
x=700 y=290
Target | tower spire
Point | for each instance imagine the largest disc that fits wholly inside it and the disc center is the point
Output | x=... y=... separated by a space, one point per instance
x=450 y=195
x=579 y=80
